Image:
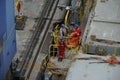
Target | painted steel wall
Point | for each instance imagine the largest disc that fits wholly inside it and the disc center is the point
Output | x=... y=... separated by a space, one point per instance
x=2 y=18
x=7 y=35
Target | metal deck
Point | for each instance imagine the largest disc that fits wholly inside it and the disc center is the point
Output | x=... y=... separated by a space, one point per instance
x=103 y=28
x=106 y=21
x=83 y=70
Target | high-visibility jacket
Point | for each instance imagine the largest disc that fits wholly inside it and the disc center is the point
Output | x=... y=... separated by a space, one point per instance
x=72 y=40
x=78 y=33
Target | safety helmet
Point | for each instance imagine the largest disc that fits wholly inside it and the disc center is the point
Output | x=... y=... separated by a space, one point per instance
x=76 y=25
x=62 y=25
x=60 y=38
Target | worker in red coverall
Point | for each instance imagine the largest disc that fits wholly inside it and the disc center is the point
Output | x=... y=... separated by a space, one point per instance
x=77 y=30
x=61 y=48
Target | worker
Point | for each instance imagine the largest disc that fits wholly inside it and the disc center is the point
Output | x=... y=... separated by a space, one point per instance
x=72 y=40
x=77 y=30
x=61 y=48
x=63 y=30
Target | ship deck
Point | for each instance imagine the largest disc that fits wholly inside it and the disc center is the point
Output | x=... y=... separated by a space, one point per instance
x=88 y=70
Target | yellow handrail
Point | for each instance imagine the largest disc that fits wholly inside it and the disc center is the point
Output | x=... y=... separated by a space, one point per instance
x=51 y=45
x=86 y=48
x=56 y=28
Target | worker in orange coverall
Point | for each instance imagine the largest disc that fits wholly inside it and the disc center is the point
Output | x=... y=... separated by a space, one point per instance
x=77 y=30
x=72 y=40
x=61 y=48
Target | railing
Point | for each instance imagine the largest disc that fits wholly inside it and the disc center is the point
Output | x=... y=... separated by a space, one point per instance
x=54 y=50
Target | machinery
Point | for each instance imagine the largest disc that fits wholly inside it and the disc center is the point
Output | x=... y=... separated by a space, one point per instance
x=20 y=22
x=19 y=19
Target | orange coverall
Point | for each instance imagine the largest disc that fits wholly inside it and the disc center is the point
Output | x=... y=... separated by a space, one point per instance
x=72 y=40
x=78 y=34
